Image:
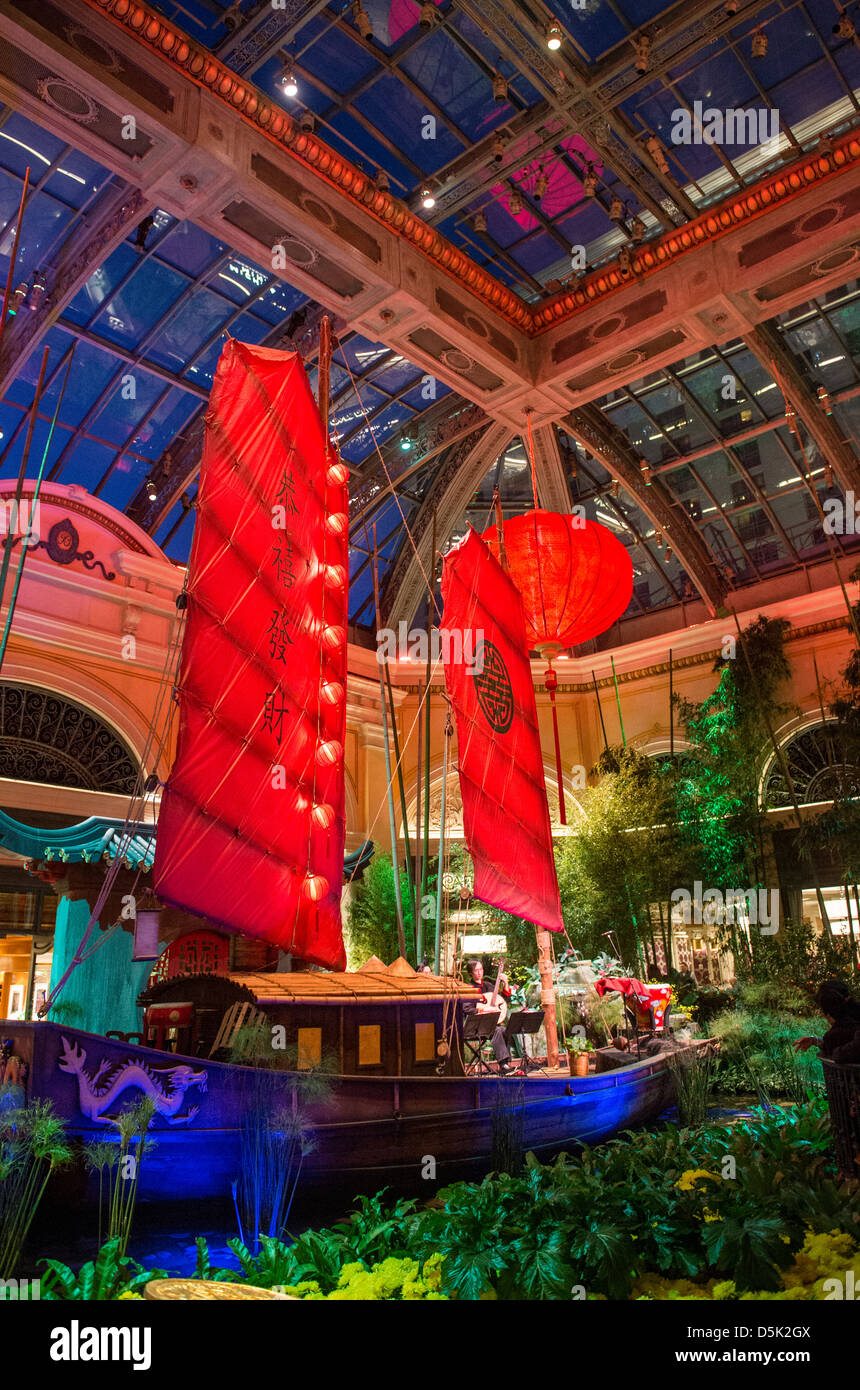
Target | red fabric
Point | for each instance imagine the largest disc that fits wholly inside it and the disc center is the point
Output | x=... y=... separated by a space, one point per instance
x=233 y=845
x=505 y=812
x=575 y=577
x=624 y=985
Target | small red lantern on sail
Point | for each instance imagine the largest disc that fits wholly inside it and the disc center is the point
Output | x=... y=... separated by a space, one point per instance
x=575 y=579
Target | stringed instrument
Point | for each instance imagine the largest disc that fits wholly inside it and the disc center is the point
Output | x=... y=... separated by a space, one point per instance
x=494 y=1003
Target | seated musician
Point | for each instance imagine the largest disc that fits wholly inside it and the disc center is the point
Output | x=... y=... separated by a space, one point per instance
x=475 y=976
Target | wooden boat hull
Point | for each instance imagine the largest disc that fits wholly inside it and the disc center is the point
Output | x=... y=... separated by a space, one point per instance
x=408 y=1132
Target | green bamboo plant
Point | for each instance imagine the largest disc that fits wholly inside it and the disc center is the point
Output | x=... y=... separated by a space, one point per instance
x=119 y=1166
x=32 y=1146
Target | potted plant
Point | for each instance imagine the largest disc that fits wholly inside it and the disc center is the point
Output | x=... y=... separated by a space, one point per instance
x=578 y=1052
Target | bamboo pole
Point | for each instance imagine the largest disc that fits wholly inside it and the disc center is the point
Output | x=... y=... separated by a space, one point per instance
x=401 y=936
x=400 y=782
x=618 y=701
x=425 y=854
x=22 y=471
x=14 y=256
x=449 y=730
x=418 y=870
x=671 y=707
x=10 y=613
x=600 y=712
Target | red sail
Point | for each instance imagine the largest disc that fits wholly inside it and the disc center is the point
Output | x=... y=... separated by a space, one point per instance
x=487 y=672
x=251 y=827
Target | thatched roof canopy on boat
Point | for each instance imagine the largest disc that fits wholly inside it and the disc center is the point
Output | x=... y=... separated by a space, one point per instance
x=401 y=967
x=362 y=986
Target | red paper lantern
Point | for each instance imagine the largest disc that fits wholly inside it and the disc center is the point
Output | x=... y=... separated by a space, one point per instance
x=329 y=752
x=331 y=692
x=334 y=576
x=333 y=637
x=315 y=888
x=337 y=474
x=336 y=523
x=574 y=576
x=322 y=815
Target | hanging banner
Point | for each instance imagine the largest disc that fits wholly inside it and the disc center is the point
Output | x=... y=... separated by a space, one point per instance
x=488 y=676
x=251 y=827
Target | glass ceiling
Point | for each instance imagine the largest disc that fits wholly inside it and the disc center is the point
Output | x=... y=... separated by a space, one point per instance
x=372 y=97
x=148 y=325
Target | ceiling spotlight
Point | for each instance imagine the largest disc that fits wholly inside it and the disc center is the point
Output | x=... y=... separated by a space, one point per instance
x=645 y=470
x=428 y=201
x=540 y=185
x=791 y=417
x=668 y=553
x=427 y=16
x=500 y=88
x=732 y=6
x=616 y=487
x=362 y=21
x=589 y=181
x=643 y=53
x=151 y=490
x=554 y=37
x=637 y=229
x=843 y=28
x=515 y=202
x=406 y=442
x=616 y=208
x=307 y=121
x=624 y=260
x=659 y=537
x=289 y=85
x=498 y=149
x=824 y=400
x=759 y=44
x=828 y=475
x=382 y=181
x=480 y=222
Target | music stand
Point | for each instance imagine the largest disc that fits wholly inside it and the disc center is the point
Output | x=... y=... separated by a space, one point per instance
x=520 y=1022
x=477 y=1030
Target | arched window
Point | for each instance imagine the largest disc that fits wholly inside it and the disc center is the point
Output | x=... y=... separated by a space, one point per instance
x=46 y=738
x=821 y=768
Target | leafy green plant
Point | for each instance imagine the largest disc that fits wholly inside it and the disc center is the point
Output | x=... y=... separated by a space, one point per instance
x=32 y=1147
x=107 y=1277
x=644 y=1202
x=693 y=1073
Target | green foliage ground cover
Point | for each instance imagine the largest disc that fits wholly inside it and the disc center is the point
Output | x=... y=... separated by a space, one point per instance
x=743 y=1209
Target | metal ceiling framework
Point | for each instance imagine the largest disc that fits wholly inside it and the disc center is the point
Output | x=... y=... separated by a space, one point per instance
x=540 y=361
